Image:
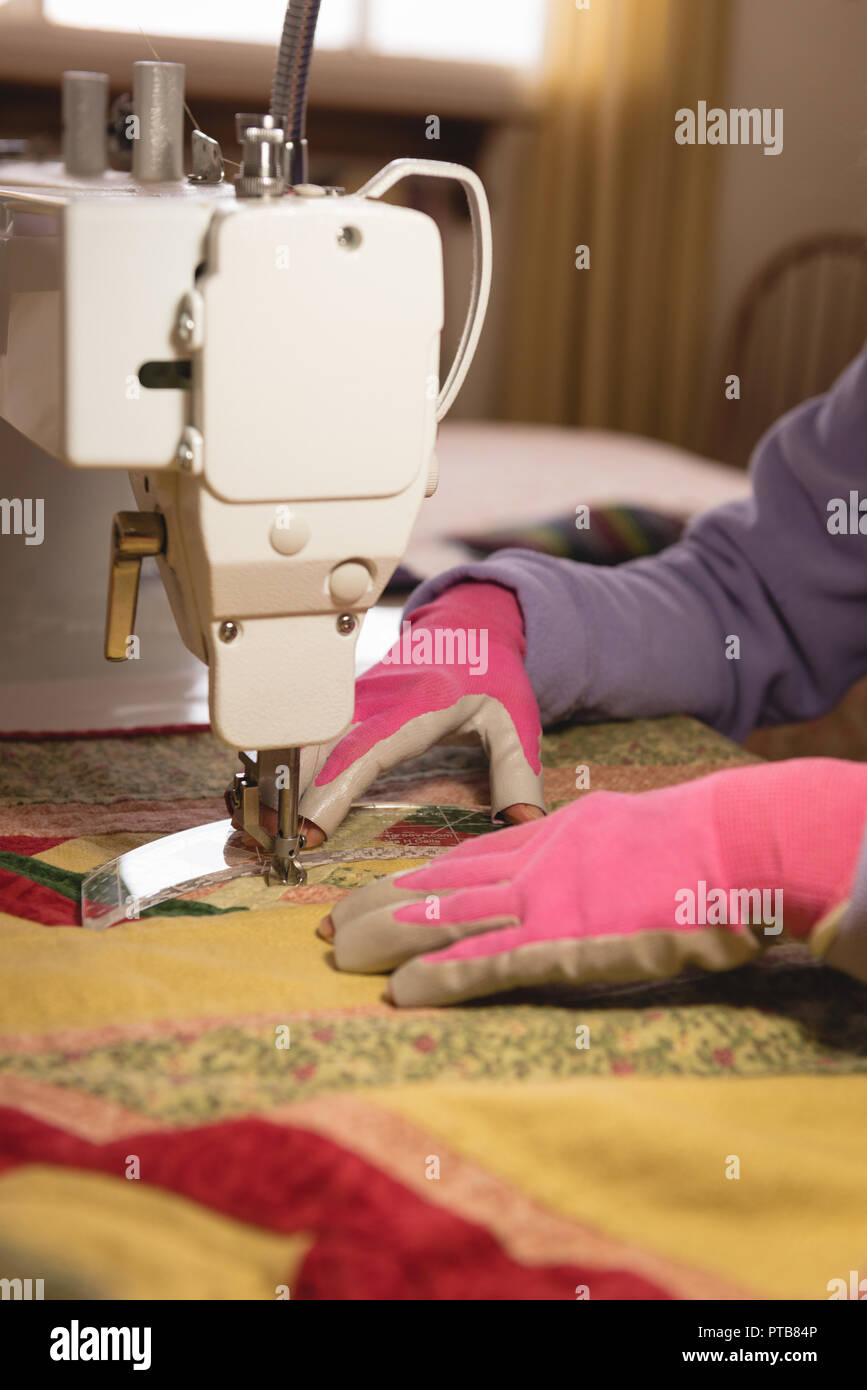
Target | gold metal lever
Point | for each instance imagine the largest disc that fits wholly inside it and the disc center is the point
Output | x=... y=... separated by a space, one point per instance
x=134 y=535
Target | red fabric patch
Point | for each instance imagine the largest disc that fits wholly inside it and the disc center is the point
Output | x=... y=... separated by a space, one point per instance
x=22 y=898
x=409 y=833
x=31 y=844
x=374 y=1238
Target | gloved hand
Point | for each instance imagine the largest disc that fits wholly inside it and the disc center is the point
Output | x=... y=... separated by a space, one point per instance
x=620 y=887
x=401 y=710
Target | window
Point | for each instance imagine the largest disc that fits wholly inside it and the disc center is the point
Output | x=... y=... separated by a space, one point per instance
x=253 y=21
x=507 y=33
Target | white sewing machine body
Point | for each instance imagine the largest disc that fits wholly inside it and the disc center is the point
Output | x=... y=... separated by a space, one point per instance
x=263 y=359
x=267 y=371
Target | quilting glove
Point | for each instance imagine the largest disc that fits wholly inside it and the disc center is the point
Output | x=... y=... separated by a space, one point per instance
x=403 y=708
x=623 y=887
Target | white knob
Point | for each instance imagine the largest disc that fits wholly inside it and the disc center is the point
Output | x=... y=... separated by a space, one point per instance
x=290 y=532
x=348 y=582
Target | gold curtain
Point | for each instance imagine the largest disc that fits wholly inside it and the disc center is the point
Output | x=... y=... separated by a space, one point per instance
x=624 y=344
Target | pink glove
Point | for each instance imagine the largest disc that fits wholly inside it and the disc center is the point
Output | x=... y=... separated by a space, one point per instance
x=465 y=676
x=621 y=887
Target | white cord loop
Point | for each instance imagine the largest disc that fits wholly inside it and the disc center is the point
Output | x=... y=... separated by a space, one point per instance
x=480 y=288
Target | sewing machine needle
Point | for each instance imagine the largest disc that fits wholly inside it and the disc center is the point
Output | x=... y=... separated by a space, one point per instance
x=288 y=842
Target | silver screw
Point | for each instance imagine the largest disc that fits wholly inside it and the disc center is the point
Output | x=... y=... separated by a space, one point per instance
x=184 y=327
x=349 y=238
x=185 y=457
x=262 y=165
x=228 y=632
x=345 y=624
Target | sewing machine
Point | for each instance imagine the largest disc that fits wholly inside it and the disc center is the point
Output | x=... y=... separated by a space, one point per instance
x=262 y=356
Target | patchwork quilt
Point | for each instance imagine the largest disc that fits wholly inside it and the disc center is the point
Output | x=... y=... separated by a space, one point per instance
x=198 y=1105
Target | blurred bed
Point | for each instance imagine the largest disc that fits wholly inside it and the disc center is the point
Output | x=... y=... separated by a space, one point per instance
x=495 y=474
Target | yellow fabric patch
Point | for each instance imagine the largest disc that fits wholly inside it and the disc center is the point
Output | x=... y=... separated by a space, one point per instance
x=173 y=968
x=89 y=851
x=93 y=1236
x=645 y=1160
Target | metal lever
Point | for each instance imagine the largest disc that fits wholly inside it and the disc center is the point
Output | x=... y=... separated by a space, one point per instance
x=207 y=159
x=134 y=535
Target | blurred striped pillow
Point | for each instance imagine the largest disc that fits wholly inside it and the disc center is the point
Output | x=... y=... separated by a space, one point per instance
x=607 y=535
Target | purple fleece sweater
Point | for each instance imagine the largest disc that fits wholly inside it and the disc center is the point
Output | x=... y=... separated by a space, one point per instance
x=776 y=570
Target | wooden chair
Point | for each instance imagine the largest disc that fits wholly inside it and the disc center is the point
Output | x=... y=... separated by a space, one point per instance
x=798 y=323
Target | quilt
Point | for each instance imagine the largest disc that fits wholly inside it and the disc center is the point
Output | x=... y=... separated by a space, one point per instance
x=197 y=1104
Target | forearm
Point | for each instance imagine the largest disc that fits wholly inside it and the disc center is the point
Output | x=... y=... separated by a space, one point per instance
x=754 y=617
x=636 y=641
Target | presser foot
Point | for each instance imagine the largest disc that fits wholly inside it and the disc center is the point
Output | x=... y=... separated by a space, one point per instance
x=285 y=866
x=282 y=850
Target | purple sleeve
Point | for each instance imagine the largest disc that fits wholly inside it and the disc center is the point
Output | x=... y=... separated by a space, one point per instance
x=776 y=571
